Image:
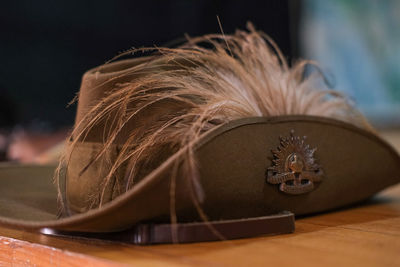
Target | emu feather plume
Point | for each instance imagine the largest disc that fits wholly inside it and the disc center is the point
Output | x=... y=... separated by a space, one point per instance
x=178 y=94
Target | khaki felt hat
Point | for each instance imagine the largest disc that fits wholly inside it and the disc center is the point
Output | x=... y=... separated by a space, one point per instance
x=253 y=173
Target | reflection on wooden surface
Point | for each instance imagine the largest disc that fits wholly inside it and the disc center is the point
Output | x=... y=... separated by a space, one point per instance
x=363 y=235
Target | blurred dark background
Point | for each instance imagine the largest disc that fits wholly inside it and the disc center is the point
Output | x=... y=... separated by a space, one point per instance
x=47 y=45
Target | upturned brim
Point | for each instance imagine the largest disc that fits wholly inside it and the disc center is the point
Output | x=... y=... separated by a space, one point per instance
x=233 y=161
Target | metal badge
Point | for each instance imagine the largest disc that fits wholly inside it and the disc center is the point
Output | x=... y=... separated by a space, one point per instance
x=293 y=166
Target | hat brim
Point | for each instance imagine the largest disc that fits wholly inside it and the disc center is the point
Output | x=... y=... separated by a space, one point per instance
x=232 y=161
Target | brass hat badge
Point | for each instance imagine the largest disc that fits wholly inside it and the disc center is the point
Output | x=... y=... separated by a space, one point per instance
x=294 y=166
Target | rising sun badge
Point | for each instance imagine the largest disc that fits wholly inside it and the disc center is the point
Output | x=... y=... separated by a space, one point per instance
x=294 y=167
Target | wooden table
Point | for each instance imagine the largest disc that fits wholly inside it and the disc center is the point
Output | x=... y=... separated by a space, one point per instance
x=363 y=235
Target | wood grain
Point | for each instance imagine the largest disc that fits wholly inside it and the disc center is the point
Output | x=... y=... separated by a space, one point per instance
x=15 y=252
x=364 y=235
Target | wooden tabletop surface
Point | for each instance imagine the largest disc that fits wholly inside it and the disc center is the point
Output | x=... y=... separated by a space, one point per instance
x=362 y=235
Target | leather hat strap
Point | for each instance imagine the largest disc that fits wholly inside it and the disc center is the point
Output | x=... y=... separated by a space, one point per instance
x=147 y=234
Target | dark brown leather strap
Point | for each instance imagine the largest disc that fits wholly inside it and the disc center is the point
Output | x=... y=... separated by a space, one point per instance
x=147 y=234
x=212 y=231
